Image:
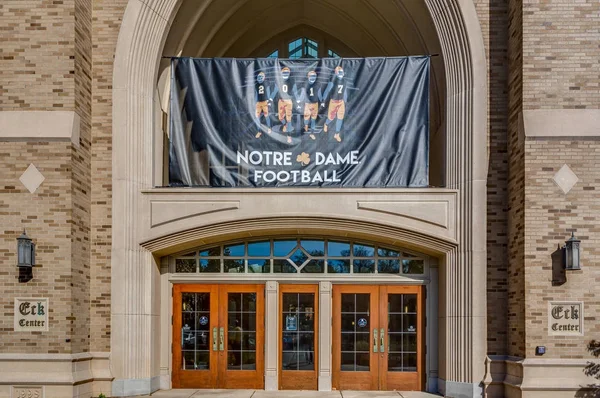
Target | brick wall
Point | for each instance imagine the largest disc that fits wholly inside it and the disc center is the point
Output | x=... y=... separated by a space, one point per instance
x=47 y=216
x=550 y=216
x=516 y=180
x=493 y=17
x=106 y=24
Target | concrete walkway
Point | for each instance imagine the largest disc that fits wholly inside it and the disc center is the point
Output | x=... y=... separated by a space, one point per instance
x=287 y=394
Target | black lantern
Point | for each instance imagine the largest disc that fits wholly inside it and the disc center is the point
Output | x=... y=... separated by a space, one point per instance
x=572 y=253
x=25 y=251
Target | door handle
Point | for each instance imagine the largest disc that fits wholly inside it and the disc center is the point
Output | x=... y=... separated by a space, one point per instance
x=375 y=340
x=382 y=343
x=221 y=339
x=215 y=339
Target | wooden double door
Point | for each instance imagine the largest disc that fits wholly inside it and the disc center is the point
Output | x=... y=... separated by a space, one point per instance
x=218 y=336
x=377 y=338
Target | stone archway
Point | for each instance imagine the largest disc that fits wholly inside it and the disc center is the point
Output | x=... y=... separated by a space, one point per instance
x=135 y=278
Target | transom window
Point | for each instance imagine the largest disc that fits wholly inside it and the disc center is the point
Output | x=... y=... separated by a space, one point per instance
x=301 y=255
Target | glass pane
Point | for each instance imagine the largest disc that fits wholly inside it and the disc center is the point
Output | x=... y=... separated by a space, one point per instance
x=395 y=342
x=189 y=360
x=259 y=249
x=282 y=248
x=409 y=342
x=338 y=266
x=314 y=267
x=338 y=249
x=395 y=303
x=274 y=54
x=259 y=266
x=290 y=302
x=363 y=250
x=348 y=302
x=299 y=257
x=410 y=303
x=283 y=266
x=362 y=361
x=306 y=302
x=394 y=362
x=248 y=341
x=212 y=252
x=289 y=360
x=188 y=302
x=185 y=265
x=210 y=265
x=249 y=302
x=233 y=266
x=248 y=360
x=409 y=362
x=388 y=266
x=413 y=266
x=234 y=250
x=362 y=302
x=234 y=302
x=202 y=321
x=381 y=252
x=394 y=323
x=315 y=248
x=306 y=360
x=348 y=361
x=203 y=302
x=290 y=341
x=364 y=266
x=409 y=323
x=202 y=360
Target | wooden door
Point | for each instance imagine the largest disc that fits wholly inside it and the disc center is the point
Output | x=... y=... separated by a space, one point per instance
x=298 y=337
x=355 y=337
x=218 y=336
x=195 y=340
x=378 y=334
x=401 y=318
x=242 y=326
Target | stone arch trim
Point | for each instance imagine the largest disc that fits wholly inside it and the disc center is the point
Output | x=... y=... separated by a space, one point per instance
x=143 y=31
x=315 y=226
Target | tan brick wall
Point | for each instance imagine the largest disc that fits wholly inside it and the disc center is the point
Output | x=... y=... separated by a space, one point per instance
x=493 y=17
x=550 y=216
x=516 y=200
x=47 y=215
x=36 y=53
x=105 y=29
x=561 y=56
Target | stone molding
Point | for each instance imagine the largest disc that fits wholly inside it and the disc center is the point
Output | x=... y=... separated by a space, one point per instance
x=62 y=375
x=535 y=377
x=36 y=126
x=547 y=123
x=143 y=31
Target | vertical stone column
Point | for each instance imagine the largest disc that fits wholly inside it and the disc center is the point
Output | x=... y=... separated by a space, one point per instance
x=324 y=336
x=271 y=336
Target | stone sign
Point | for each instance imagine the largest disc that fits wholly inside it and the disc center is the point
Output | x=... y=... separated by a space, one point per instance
x=565 y=318
x=31 y=315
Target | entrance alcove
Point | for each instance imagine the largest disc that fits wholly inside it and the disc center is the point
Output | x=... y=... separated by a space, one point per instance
x=151 y=223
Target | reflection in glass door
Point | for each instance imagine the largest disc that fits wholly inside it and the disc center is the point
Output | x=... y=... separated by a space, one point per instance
x=377 y=338
x=298 y=337
x=216 y=340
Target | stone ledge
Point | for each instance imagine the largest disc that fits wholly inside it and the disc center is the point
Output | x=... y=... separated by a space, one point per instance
x=548 y=123
x=39 y=126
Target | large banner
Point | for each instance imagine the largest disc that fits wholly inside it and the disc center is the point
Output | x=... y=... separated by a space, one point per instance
x=358 y=122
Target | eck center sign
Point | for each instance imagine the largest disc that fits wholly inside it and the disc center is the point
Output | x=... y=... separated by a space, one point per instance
x=31 y=315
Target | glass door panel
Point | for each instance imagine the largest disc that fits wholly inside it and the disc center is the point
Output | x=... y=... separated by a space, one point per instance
x=195 y=353
x=218 y=336
x=401 y=315
x=377 y=338
x=298 y=337
x=355 y=337
x=241 y=312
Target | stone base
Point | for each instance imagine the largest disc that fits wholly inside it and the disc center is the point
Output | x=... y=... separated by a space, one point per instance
x=537 y=378
x=456 y=389
x=133 y=387
x=55 y=375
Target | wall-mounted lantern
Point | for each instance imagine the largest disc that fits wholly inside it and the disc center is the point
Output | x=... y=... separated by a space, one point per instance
x=25 y=251
x=572 y=253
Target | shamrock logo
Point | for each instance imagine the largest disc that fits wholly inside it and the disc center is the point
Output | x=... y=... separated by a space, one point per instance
x=303 y=158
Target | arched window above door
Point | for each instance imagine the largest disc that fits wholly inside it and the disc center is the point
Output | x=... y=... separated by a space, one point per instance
x=297 y=47
x=299 y=255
